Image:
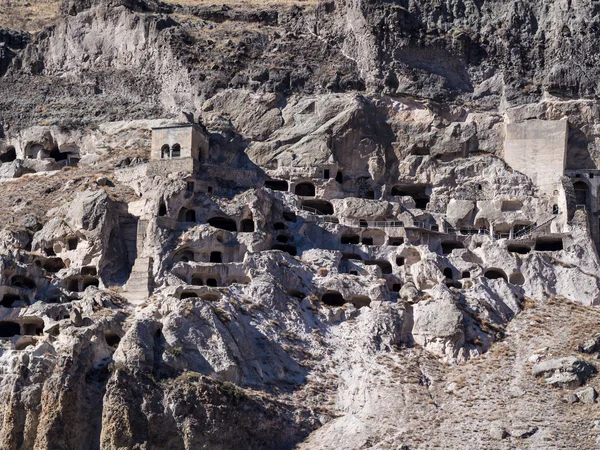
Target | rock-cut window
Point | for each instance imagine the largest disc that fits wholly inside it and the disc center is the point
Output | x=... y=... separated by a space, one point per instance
x=176 y=151
x=165 y=151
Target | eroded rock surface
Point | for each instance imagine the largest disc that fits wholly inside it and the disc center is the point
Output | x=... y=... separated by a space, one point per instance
x=340 y=224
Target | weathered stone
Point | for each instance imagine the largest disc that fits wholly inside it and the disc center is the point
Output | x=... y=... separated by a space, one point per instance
x=587 y=395
x=568 y=372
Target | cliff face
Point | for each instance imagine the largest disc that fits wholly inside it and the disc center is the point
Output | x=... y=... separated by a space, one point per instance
x=482 y=51
x=348 y=224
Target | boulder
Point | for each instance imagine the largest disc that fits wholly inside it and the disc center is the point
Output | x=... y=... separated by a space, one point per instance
x=567 y=372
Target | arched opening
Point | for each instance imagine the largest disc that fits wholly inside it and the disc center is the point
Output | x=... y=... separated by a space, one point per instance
x=448 y=247
x=186 y=215
x=517 y=278
x=187 y=294
x=373 y=237
x=9 y=329
x=396 y=287
x=176 y=151
x=73 y=285
x=352 y=239
x=548 y=245
x=339 y=177
x=291 y=249
x=21 y=281
x=162 y=209
x=395 y=241
x=190 y=215
x=360 y=300
x=362 y=223
x=112 y=339
x=53 y=265
x=333 y=299
x=89 y=271
x=305 y=189
x=277 y=185
x=34 y=328
x=9 y=155
x=582 y=193
x=247 y=226
x=223 y=223
x=466 y=274
x=448 y=273
x=322 y=206
x=165 y=151
x=418 y=192
x=13 y=301
x=216 y=257
x=212 y=282
x=183 y=256
x=555 y=208
x=520 y=249
x=494 y=274
x=49 y=251
x=279 y=226
x=197 y=281
x=385 y=266
x=57 y=155
x=399 y=261
x=87 y=282
x=282 y=238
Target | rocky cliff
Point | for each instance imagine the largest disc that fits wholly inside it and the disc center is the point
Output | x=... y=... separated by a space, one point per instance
x=298 y=224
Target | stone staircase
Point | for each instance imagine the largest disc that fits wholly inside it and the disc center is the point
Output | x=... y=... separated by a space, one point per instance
x=139 y=285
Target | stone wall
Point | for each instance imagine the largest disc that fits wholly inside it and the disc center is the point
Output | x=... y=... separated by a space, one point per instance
x=160 y=167
x=537 y=148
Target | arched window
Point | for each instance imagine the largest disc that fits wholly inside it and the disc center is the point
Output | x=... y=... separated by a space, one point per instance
x=165 y=151
x=582 y=193
x=176 y=151
x=305 y=189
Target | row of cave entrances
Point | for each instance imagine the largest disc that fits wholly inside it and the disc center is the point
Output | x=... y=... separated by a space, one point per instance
x=222 y=223
x=418 y=192
x=10 y=329
x=334 y=298
x=516 y=278
x=34 y=151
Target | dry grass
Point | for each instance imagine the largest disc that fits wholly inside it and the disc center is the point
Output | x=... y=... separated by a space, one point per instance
x=28 y=15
